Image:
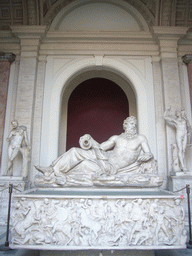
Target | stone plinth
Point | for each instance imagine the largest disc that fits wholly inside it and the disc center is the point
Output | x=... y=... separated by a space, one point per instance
x=97 y=219
x=17 y=183
x=98 y=253
x=177 y=182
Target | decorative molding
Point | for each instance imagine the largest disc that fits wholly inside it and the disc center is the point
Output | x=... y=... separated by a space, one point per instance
x=187 y=58
x=30 y=38
x=32 y=31
x=7 y=57
x=32 y=14
x=170 y=31
x=167 y=12
x=53 y=10
x=168 y=39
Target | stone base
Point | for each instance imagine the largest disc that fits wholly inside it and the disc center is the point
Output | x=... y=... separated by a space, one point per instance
x=19 y=185
x=179 y=182
x=183 y=174
x=97 y=219
x=98 y=253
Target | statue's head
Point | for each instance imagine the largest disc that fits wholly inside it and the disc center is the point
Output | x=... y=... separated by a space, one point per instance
x=130 y=123
x=177 y=201
x=14 y=123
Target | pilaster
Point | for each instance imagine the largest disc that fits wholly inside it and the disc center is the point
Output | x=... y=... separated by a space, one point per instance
x=167 y=38
x=5 y=63
x=187 y=59
x=30 y=39
x=37 y=118
x=160 y=126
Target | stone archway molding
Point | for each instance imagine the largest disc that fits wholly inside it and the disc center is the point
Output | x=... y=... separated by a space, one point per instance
x=139 y=7
x=56 y=87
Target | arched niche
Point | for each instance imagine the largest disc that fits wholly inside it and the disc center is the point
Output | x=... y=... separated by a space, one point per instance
x=138 y=86
x=85 y=76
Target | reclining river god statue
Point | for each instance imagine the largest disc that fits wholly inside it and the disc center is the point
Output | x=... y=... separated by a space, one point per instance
x=123 y=160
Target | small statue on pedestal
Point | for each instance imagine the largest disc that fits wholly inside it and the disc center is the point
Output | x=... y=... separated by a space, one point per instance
x=183 y=129
x=18 y=142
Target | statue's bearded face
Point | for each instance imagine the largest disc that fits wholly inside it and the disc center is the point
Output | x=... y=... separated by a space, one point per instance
x=130 y=126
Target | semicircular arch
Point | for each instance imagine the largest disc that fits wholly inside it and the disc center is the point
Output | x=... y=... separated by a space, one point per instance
x=67 y=80
x=142 y=12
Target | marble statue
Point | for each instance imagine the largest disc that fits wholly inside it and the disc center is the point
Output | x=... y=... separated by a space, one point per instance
x=175 y=159
x=105 y=164
x=183 y=129
x=18 y=142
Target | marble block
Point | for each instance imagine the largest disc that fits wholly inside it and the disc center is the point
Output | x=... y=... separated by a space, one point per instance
x=107 y=219
x=178 y=183
x=98 y=253
x=18 y=183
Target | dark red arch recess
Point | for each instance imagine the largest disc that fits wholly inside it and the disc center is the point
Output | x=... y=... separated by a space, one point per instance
x=98 y=107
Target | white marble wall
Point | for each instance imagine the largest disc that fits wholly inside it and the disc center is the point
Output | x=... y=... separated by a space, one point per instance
x=160 y=124
x=37 y=120
x=45 y=67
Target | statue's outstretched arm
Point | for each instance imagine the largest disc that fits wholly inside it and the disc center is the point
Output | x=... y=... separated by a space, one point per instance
x=171 y=120
x=110 y=143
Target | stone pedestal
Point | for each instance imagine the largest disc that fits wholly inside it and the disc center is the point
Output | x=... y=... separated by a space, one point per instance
x=179 y=181
x=18 y=184
x=98 y=253
x=97 y=219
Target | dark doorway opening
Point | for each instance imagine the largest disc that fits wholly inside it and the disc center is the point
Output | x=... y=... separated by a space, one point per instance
x=97 y=107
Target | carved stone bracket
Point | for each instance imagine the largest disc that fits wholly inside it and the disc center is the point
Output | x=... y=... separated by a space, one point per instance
x=187 y=58
x=7 y=57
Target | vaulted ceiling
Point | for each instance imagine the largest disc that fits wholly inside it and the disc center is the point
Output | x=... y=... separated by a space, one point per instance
x=42 y=12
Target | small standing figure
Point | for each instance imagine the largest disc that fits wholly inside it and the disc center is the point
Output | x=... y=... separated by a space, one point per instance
x=183 y=129
x=18 y=142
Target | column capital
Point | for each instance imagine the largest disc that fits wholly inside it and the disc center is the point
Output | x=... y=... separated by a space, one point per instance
x=187 y=58
x=168 y=39
x=28 y=31
x=7 y=56
x=30 y=38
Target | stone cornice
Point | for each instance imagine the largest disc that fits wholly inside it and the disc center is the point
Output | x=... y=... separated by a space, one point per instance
x=7 y=56
x=98 y=35
x=30 y=37
x=170 y=32
x=187 y=58
x=168 y=38
x=28 y=31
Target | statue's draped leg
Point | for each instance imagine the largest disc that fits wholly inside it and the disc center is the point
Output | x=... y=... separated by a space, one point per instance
x=72 y=158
